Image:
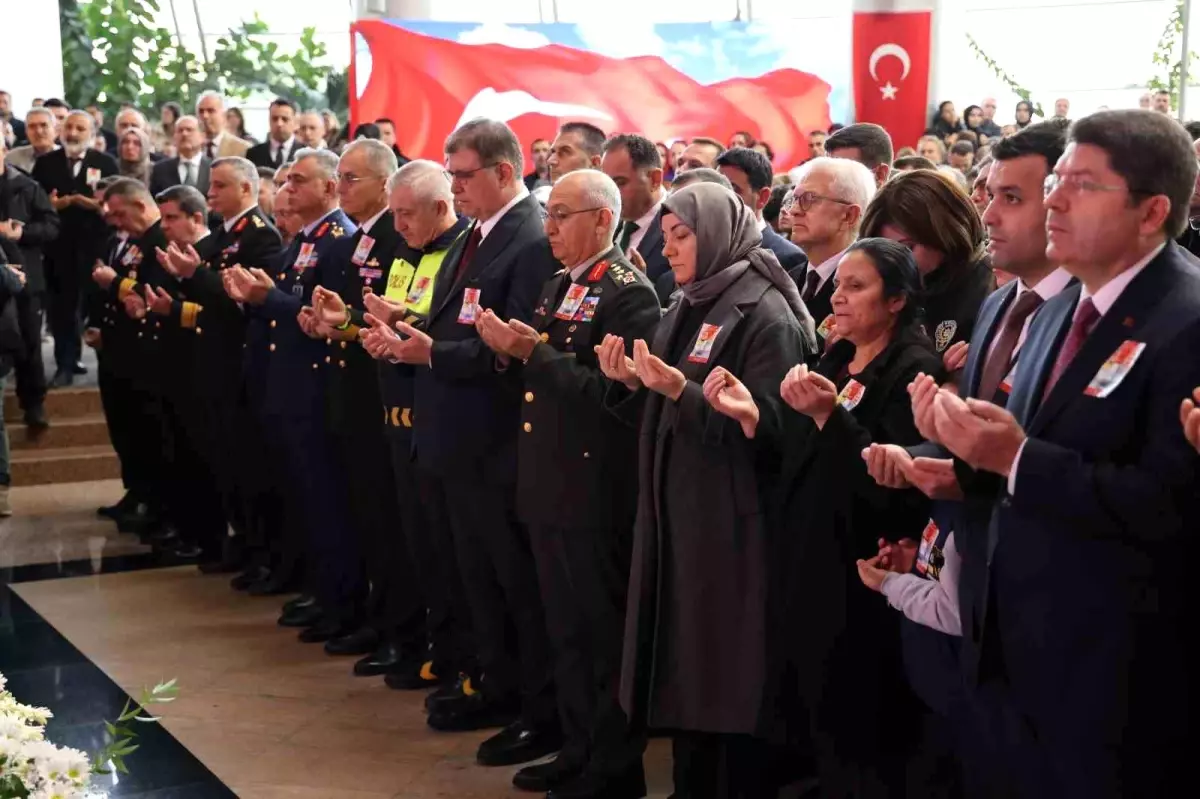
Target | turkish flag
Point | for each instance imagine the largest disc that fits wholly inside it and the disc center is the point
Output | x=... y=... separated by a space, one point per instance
x=430 y=85
x=891 y=72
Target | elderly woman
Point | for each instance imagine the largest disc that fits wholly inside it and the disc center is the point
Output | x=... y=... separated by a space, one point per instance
x=927 y=212
x=695 y=627
x=836 y=678
x=133 y=155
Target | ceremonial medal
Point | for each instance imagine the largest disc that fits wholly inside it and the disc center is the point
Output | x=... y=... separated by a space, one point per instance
x=587 y=311
x=365 y=244
x=570 y=303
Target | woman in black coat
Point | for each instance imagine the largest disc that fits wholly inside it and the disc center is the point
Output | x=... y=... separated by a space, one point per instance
x=694 y=660
x=837 y=678
x=927 y=212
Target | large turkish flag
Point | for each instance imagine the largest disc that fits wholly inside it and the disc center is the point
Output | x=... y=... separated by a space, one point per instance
x=891 y=72
x=429 y=85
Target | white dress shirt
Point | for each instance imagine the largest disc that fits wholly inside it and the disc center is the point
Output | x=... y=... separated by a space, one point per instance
x=195 y=162
x=370 y=223
x=577 y=271
x=1103 y=300
x=281 y=149
x=485 y=227
x=229 y=223
x=309 y=228
x=1047 y=288
x=824 y=271
x=645 y=221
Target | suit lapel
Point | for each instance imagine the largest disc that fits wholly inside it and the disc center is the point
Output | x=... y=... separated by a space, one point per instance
x=651 y=243
x=493 y=244
x=726 y=315
x=443 y=287
x=1046 y=334
x=1127 y=315
x=985 y=330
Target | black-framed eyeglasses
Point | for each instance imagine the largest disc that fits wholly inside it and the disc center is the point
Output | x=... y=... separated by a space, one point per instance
x=463 y=175
x=559 y=215
x=806 y=200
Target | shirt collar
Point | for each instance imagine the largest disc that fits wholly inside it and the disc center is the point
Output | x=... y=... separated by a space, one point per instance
x=216 y=140
x=826 y=268
x=577 y=271
x=284 y=146
x=308 y=229
x=761 y=224
x=1110 y=291
x=195 y=159
x=485 y=227
x=367 y=226
x=229 y=223
x=1048 y=287
x=647 y=219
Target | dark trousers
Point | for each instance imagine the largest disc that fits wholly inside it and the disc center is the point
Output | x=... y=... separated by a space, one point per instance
x=134 y=414
x=315 y=500
x=195 y=505
x=718 y=766
x=66 y=322
x=277 y=536
x=584 y=579
x=30 y=371
x=497 y=569
x=425 y=520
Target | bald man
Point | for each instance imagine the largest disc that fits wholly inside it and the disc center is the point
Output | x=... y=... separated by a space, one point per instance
x=70 y=175
x=576 y=478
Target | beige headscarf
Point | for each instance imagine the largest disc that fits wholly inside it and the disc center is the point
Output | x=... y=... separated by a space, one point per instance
x=140 y=169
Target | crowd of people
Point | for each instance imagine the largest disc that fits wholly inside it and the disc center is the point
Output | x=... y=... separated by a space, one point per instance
x=865 y=479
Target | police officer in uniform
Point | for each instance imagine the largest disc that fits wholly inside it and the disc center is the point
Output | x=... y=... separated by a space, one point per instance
x=577 y=480
x=395 y=615
x=423 y=212
x=217 y=327
x=293 y=387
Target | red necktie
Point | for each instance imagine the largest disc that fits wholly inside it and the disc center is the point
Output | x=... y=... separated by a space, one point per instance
x=1086 y=317
x=469 y=251
x=1000 y=358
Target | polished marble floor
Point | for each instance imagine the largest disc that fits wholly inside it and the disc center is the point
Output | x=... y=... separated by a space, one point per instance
x=89 y=617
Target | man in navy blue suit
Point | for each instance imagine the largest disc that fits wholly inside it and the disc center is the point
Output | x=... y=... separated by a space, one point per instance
x=633 y=162
x=1084 y=602
x=750 y=173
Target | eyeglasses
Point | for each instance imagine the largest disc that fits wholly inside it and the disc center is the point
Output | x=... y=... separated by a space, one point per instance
x=1072 y=184
x=350 y=178
x=464 y=175
x=559 y=215
x=806 y=200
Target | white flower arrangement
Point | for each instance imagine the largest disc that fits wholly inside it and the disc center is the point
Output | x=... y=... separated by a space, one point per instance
x=33 y=768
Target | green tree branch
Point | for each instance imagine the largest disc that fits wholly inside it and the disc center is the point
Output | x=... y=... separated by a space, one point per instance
x=1007 y=79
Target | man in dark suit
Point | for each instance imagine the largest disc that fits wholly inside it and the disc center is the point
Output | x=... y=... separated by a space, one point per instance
x=1085 y=594
x=69 y=176
x=190 y=167
x=868 y=144
x=467 y=415
x=7 y=116
x=633 y=162
x=824 y=211
x=580 y=524
x=28 y=224
x=281 y=145
x=750 y=173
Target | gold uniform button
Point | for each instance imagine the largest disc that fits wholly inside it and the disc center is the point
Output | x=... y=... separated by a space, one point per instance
x=327 y=359
x=529 y=396
x=271 y=348
x=273 y=323
x=528 y=427
x=568 y=339
x=281 y=275
x=545 y=337
x=571 y=329
x=199 y=331
x=328 y=341
x=314 y=366
x=139 y=334
x=342 y=364
x=587 y=455
x=343 y=345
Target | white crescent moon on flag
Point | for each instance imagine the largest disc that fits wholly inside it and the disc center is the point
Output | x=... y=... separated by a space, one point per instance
x=889 y=49
x=508 y=105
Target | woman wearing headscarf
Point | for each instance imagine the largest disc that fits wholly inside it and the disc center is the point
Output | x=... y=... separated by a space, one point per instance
x=837 y=681
x=945 y=121
x=1024 y=114
x=973 y=120
x=930 y=214
x=133 y=155
x=695 y=626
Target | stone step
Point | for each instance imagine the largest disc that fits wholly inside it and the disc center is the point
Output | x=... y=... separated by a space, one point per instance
x=61 y=403
x=64 y=465
x=86 y=431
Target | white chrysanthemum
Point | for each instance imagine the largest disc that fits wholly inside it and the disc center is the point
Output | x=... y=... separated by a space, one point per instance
x=15 y=727
x=3 y=682
x=30 y=713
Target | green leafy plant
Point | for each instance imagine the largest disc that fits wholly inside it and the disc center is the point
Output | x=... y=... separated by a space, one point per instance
x=122 y=731
x=114 y=52
x=1168 y=57
x=1008 y=80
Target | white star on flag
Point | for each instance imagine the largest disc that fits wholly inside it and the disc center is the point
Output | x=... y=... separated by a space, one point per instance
x=888 y=91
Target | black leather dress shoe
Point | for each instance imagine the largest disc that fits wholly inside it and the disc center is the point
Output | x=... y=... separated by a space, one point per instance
x=547 y=776
x=629 y=784
x=450 y=693
x=139 y=520
x=302 y=601
x=519 y=742
x=325 y=630
x=249 y=577
x=187 y=552
x=476 y=712
x=79 y=368
x=218 y=566
x=301 y=617
x=124 y=505
x=360 y=642
x=386 y=658
x=62 y=380
x=418 y=675
x=35 y=420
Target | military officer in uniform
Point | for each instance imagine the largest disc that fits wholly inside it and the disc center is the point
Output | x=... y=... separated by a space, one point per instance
x=422 y=209
x=577 y=480
x=293 y=386
x=395 y=616
x=217 y=327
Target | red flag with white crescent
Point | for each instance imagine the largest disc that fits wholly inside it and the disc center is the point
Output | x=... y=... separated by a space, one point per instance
x=891 y=72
